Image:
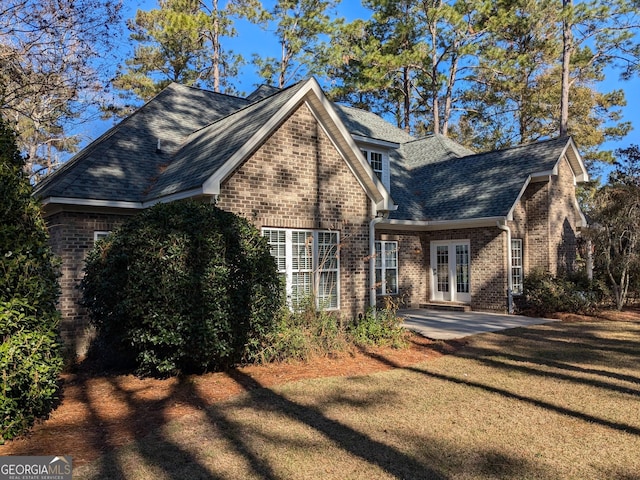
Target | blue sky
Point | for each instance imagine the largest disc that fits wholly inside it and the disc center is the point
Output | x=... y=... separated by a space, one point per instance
x=253 y=39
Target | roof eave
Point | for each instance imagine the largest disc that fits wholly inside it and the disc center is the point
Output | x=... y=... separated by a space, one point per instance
x=575 y=161
x=91 y=202
x=428 y=225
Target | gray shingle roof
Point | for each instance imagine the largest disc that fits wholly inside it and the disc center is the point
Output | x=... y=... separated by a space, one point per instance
x=453 y=186
x=367 y=124
x=207 y=149
x=121 y=163
x=433 y=178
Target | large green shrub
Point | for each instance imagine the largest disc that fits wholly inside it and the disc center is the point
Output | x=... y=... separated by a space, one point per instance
x=30 y=354
x=182 y=287
x=544 y=294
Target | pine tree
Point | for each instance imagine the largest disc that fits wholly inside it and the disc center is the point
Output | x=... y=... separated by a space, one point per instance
x=30 y=354
x=182 y=41
x=299 y=27
x=408 y=60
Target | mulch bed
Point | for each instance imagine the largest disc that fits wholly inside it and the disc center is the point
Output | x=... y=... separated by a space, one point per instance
x=102 y=412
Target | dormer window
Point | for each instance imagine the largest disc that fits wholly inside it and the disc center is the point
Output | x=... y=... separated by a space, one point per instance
x=375 y=160
x=379 y=161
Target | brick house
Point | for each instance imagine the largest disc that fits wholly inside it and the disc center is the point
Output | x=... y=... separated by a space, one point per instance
x=424 y=219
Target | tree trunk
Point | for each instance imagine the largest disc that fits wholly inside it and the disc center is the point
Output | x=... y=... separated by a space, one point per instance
x=435 y=106
x=567 y=47
x=406 y=87
x=216 y=47
x=453 y=72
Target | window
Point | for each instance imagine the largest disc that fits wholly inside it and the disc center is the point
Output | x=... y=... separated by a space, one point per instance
x=309 y=262
x=462 y=268
x=386 y=268
x=375 y=160
x=99 y=235
x=516 y=265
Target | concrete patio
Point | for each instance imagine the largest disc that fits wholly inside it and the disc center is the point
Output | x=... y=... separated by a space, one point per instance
x=447 y=325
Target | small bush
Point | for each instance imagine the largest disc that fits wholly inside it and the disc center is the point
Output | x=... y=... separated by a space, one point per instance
x=544 y=294
x=379 y=327
x=182 y=287
x=304 y=334
x=309 y=332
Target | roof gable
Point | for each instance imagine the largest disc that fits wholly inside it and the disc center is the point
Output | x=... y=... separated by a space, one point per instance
x=119 y=165
x=452 y=186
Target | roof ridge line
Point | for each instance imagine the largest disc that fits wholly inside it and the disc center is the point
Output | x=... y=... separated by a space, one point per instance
x=207 y=90
x=249 y=105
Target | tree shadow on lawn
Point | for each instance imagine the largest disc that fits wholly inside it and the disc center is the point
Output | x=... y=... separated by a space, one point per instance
x=537 y=334
x=143 y=414
x=585 y=336
x=352 y=441
x=176 y=462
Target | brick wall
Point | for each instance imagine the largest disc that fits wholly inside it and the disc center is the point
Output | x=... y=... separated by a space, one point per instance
x=563 y=220
x=546 y=220
x=71 y=238
x=488 y=283
x=297 y=179
x=412 y=275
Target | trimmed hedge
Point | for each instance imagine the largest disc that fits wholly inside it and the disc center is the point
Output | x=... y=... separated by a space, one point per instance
x=182 y=287
x=30 y=354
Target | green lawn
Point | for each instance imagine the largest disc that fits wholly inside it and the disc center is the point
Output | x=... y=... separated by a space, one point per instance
x=559 y=401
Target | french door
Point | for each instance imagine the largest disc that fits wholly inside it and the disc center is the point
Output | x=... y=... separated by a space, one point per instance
x=450 y=271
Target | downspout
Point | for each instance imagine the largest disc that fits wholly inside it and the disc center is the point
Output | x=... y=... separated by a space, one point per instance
x=505 y=227
x=372 y=260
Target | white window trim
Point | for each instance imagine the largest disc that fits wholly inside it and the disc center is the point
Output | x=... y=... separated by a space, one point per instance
x=386 y=173
x=382 y=289
x=317 y=268
x=100 y=234
x=517 y=286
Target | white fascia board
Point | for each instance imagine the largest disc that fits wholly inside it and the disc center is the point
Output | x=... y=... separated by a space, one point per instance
x=375 y=141
x=522 y=190
x=543 y=176
x=90 y=202
x=426 y=225
x=575 y=161
x=196 y=192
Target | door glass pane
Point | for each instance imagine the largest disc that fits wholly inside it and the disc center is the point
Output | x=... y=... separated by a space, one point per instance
x=462 y=268
x=442 y=267
x=516 y=265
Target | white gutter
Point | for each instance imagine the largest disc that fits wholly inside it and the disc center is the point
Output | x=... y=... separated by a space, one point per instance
x=505 y=227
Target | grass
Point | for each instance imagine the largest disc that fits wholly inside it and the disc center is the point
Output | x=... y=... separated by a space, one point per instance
x=557 y=401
